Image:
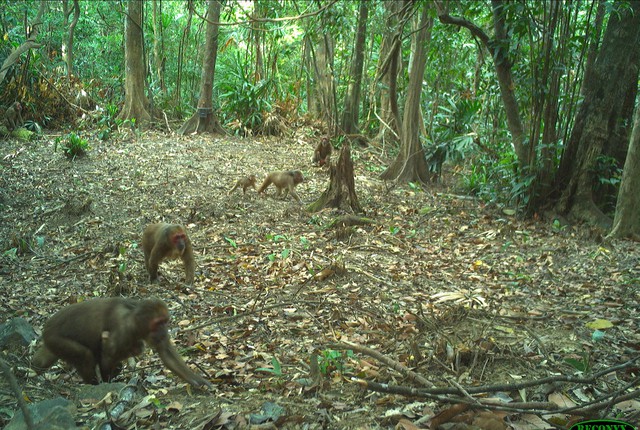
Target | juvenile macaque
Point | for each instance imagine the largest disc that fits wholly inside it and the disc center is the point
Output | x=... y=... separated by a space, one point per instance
x=322 y=153
x=13 y=115
x=246 y=182
x=107 y=331
x=167 y=241
x=286 y=180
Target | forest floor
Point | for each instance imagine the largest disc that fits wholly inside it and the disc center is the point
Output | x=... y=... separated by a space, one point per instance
x=442 y=289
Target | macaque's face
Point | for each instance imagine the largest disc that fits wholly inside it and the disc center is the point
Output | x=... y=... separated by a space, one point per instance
x=179 y=241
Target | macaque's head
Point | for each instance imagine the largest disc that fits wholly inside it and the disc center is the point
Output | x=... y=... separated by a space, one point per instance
x=178 y=238
x=154 y=314
x=297 y=177
x=252 y=179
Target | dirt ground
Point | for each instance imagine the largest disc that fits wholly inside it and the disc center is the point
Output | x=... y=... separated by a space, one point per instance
x=441 y=286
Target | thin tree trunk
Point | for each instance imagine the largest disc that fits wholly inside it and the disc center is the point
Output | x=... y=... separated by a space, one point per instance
x=158 y=45
x=205 y=118
x=499 y=47
x=410 y=165
x=72 y=27
x=352 y=99
x=181 y=47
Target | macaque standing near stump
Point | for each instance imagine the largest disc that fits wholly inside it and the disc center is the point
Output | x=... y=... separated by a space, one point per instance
x=167 y=241
x=107 y=331
x=286 y=181
x=322 y=153
x=246 y=182
x=13 y=115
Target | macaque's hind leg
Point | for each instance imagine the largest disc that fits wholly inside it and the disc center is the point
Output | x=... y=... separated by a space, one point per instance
x=76 y=354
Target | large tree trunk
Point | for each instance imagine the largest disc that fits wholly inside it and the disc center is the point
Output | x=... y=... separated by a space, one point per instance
x=325 y=82
x=205 y=119
x=599 y=115
x=352 y=99
x=135 y=101
x=627 y=219
x=342 y=190
x=410 y=165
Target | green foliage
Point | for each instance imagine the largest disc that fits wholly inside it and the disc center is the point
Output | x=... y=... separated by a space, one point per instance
x=581 y=365
x=330 y=360
x=276 y=368
x=72 y=145
x=107 y=122
x=241 y=98
x=496 y=180
x=606 y=171
x=231 y=242
x=557 y=226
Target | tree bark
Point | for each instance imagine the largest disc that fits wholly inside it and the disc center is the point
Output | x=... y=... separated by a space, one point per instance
x=205 y=120
x=410 y=165
x=598 y=117
x=388 y=70
x=341 y=192
x=352 y=99
x=135 y=100
x=158 y=45
x=72 y=27
x=325 y=87
x=626 y=222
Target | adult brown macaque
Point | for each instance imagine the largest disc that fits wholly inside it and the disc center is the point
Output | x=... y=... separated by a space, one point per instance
x=167 y=241
x=104 y=332
x=13 y=115
x=286 y=180
x=246 y=182
x=322 y=153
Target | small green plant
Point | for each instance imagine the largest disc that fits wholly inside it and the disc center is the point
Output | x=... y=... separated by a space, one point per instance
x=415 y=186
x=581 y=365
x=72 y=145
x=331 y=360
x=557 y=226
x=276 y=368
x=108 y=122
x=277 y=237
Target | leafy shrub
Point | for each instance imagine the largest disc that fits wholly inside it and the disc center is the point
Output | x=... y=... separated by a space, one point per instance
x=243 y=98
x=72 y=145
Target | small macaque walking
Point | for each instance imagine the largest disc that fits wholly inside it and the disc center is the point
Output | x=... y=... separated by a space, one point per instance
x=286 y=180
x=13 y=115
x=246 y=182
x=104 y=332
x=167 y=241
x=322 y=153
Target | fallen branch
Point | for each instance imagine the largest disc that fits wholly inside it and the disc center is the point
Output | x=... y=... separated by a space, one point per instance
x=17 y=392
x=459 y=394
x=399 y=367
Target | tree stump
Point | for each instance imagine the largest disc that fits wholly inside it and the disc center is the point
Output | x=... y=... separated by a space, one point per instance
x=341 y=192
